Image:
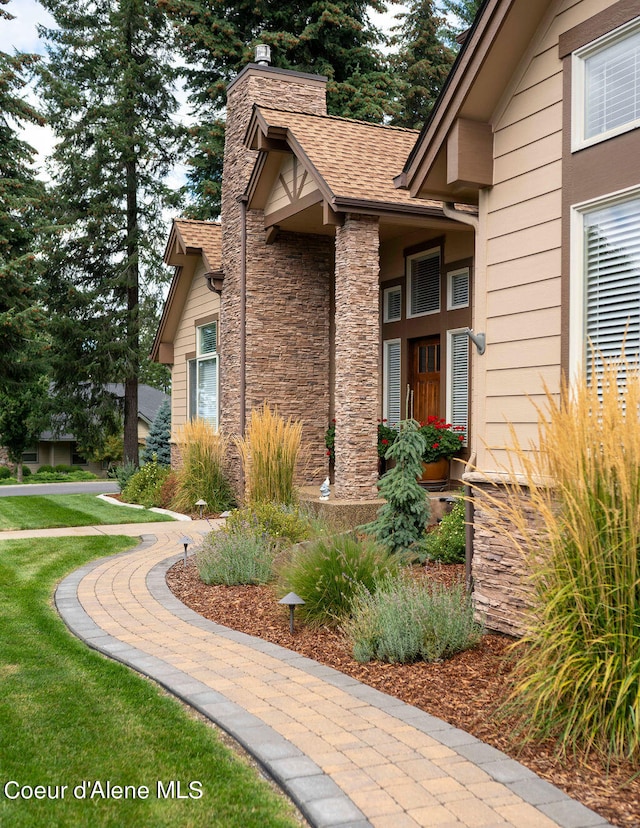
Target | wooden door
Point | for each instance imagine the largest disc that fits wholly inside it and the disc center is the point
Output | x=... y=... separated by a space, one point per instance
x=424 y=378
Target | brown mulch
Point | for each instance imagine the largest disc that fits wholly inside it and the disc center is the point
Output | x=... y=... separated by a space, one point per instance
x=465 y=690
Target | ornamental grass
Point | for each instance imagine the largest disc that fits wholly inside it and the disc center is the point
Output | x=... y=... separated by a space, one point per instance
x=202 y=476
x=575 y=517
x=269 y=453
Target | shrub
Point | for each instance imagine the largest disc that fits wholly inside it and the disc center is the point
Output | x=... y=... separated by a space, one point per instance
x=202 y=476
x=326 y=571
x=145 y=485
x=402 y=519
x=236 y=557
x=579 y=669
x=26 y=471
x=405 y=620
x=45 y=469
x=122 y=473
x=63 y=468
x=272 y=519
x=5 y=472
x=446 y=543
x=269 y=454
x=168 y=490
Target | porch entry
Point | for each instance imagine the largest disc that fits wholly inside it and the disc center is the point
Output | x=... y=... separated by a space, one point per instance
x=424 y=377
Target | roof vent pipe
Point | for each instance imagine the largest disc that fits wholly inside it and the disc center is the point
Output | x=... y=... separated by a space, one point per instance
x=263 y=54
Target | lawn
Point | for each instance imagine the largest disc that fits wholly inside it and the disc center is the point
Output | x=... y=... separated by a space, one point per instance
x=49 y=511
x=69 y=717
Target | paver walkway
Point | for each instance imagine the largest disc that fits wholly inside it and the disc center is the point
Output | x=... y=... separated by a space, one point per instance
x=346 y=753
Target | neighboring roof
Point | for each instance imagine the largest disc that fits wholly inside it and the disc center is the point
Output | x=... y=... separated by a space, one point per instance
x=149 y=402
x=189 y=236
x=351 y=161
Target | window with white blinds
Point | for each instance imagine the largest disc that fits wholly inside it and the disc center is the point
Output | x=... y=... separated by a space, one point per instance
x=611 y=255
x=392 y=300
x=423 y=279
x=391 y=381
x=458 y=381
x=607 y=86
x=203 y=376
x=458 y=289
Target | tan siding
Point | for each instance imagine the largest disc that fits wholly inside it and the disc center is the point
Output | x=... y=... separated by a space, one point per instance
x=540 y=266
x=527 y=131
x=293 y=177
x=512 y=164
x=526 y=214
x=536 y=98
x=513 y=246
x=201 y=302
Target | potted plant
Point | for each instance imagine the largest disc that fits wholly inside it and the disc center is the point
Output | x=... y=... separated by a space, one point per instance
x=442 y=441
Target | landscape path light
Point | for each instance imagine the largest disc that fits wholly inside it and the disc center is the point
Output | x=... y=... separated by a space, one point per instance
x=292 y=601
x=201 y=503
x=185 y=541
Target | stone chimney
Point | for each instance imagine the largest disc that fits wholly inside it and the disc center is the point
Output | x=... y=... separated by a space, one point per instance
x=260 y=279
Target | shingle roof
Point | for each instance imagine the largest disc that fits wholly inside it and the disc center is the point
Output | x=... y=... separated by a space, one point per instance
x=356 y=160
x=201 y=235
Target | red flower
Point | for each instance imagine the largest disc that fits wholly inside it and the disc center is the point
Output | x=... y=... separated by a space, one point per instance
x=328 y=453
x=436 y=445
x=384 y=442
x=461 y=438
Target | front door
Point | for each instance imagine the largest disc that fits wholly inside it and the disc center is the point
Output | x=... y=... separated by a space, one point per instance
x=424 y=378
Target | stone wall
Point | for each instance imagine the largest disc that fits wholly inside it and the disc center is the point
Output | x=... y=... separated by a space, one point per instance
x=357 y=357
x=501 y=593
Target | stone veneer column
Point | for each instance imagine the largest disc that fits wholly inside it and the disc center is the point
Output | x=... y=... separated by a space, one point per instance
x=357 y=358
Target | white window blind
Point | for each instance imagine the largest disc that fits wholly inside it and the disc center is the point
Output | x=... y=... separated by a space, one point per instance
x=458 y=392
x=392 y=365
x=207 y=402
x=393 y=304
x=208 y=338
x=458 y=289
x=424 y=284
x=612 y=271
x=612 y=86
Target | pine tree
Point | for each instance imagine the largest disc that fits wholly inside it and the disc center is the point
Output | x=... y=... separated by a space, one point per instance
x=217 y=40
x=107 y=85
x=21 y=203
x=157 y=446
x=421 y=63
x=460 y=15
x=401 y=521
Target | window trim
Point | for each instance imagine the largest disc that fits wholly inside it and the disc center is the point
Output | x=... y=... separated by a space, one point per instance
x=196 y=361
x=578 y=61
x=36 y=451
x=450 y=275
x=577 y=275
x=385 y=378
x=430 y=253
x=385 y=305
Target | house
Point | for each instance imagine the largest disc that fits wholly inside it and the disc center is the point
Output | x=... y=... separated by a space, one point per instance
x=355 y=258
x=54 y=449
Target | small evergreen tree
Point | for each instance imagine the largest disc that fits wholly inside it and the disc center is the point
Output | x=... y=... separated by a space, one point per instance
x=402 y=520
x=157 y=444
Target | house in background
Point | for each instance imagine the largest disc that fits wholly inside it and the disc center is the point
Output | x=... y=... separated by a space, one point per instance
x=55 y=449
x=355 y=257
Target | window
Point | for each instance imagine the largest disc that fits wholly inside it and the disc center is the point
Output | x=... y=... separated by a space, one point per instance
x=458 y=381
x=203 y=375
x=423 y=280
x=391 y=381
x=30 y=455
x=77 y=459
x=392 y=304
x=606 y=278
x=458 y=289
x=606 y=86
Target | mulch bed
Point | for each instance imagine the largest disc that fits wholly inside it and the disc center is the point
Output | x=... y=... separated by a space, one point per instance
x=466 y=690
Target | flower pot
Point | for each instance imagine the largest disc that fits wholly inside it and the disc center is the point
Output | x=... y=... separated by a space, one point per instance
x=435 y=476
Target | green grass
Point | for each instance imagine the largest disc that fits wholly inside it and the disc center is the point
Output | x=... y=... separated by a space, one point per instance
x=68 y=715
x=51 y=477
x=50 y=511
